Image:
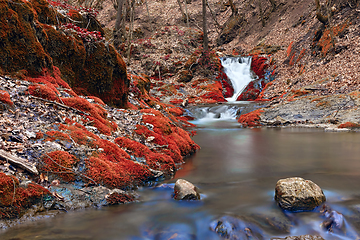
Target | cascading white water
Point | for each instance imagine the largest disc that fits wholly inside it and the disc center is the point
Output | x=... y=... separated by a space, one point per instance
x=238 y=71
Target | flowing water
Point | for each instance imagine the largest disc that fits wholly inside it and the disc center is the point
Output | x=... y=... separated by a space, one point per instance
x=236 y=171
x=238 y=71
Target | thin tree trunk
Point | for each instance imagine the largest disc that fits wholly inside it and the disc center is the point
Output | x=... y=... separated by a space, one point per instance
x=147 y=9
x=181 y=9
x=206 y=41
x=119 y=15
x=213 y=16
x=187 y=15
x=132 y=6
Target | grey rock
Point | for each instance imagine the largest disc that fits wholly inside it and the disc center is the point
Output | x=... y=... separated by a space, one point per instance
x=297 y=194
x=236 y=228
x=185 y=190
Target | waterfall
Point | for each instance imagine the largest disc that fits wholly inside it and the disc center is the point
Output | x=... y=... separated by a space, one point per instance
x=238 y=71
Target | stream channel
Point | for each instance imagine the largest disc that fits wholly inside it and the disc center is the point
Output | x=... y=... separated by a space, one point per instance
x=236 y=171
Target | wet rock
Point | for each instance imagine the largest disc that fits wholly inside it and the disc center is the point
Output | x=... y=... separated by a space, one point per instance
x=302 y=237
x=298 y=194
x=231 y=227
x=334 y=221
x=273 y=221
x=185 y=190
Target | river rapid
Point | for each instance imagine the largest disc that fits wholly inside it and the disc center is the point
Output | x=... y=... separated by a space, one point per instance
x=236 y=171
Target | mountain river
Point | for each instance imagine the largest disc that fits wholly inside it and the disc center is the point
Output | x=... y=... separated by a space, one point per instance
x=236 y=171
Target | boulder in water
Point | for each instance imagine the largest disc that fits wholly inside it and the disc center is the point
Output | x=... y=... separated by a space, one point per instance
x=185 y=190
x=298 y=194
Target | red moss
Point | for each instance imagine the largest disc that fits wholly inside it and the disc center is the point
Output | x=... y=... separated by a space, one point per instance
x=56 y=135
x=228 y=90
x=176 y=101
x=5 y=97
x=258 y=65
x=15 y=199
x=132 y=106
x=75 y=15
x=261 y=95
x=111 y=151
x=118 y=198
x=176 y=111
x=251 y=119
x=298 y=93
x=60 y=163
x=97 y=100
x=20 y=48
x=325 y=40
x=301 y=54
x=349 y=125
x=249 y=93
x=137 y=149
x=43 y=91
x=154 y=160
x=51 y=78
x=121 y=174
x=161 y=124
x=289 y=49
x=292 y=59
x=302 y=69
x=97 y=113
x=39 y=135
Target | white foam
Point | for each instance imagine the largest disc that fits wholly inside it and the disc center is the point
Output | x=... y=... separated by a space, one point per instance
x=238 y=71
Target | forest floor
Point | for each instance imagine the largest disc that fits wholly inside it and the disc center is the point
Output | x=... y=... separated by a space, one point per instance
x=309 y=66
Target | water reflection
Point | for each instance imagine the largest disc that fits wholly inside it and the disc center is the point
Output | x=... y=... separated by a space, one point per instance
x=236 y=170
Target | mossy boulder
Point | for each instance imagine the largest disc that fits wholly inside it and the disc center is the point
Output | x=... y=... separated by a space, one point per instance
x=33 y=39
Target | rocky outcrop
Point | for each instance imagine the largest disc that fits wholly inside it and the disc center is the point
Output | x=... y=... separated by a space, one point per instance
x=231 y=29
x=35 y=38
x=185 y=190
x=335 y=112
x=298 y=194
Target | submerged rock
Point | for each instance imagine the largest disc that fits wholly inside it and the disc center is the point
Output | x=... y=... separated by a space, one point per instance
x=302 y=237
x=185 y=190
x=229 y=227
x=298 y=194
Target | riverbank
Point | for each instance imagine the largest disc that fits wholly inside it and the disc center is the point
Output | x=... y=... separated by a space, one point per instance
x=81 y=127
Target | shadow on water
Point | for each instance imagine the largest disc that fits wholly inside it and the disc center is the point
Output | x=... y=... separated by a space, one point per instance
x=236 y=171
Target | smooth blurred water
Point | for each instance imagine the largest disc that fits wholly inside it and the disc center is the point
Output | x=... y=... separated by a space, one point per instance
x=236 y=170
x=237 y=69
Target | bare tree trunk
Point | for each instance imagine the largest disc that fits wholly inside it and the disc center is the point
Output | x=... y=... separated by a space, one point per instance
x=147 y=9
x=206 y=41
x=131 y=25
x=213 y=16
x=181 y=9
x=187 y=15
x=119 y=16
